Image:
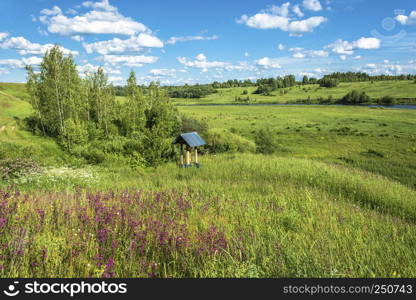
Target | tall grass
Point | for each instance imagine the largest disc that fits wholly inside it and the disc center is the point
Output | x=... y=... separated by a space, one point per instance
x=237 y=216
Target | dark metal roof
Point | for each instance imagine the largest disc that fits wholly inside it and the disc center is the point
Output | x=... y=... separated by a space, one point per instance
x=192 y=139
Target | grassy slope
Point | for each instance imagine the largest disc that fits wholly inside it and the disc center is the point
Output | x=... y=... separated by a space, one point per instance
x=292 y=215
x=398 y=89
x=332 y=134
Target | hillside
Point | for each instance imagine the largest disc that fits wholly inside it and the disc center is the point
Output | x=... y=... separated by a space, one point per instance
x=331 y=202
x=404 y=90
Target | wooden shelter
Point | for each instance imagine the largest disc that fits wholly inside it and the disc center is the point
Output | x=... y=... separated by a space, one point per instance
x=190 y=141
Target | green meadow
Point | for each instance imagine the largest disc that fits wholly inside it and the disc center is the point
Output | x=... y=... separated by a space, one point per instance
x=336 y=199
x=404 y=91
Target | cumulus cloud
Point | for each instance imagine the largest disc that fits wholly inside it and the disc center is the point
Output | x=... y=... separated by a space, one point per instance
x=133 y=44
x=298 y=12
x=25 y=47
x=163 y=72
x=278 y=17
x=267 y=63
x=201 y=62
x=102 y=19
x=407 y=20
x=3 y=35
x=347 y=48
x=89 y=68
x=313 y=5
x=128 y=60
x=20 y=63
x=302 y=53
x=51 y=12
x=175 y=39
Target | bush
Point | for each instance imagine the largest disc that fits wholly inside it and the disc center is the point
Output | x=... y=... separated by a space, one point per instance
x=189 y=124
x=219 y=141
x=387 y=100
x=16 y=168
x=266 y=141
x=355 y=97
x=245 y=92
x=328 y=83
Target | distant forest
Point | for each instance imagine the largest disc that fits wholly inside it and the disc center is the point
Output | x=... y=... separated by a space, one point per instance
x=267 y=85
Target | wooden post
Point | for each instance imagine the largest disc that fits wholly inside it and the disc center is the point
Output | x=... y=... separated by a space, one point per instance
x=188 y=157
x=196 y=156
x=181 y=155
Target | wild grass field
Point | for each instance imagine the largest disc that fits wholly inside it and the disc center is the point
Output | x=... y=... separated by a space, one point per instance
x=337 y=199
x=404 y=90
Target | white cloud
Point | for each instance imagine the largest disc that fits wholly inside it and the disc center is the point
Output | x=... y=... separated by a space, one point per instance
x=163 y=72
x=407 y=20
x=301 y=53
x=313 y=5
x=77 y=38
x=51 y=12
x=201 y=62
x=281 y=47
x=296 y=9
x=25 y=47
x=343 y=57
x=246 y=54
x=3 y=35
x=20 y=63
x=116 y=79
x=4 y=71
x=347 y=48
x=358 y=57
x=278 y=18
x=116 y=45
x=102 y=19
x=175 y=39
x=282 y=10
x=128 y=60
x=71 y=11
x=267 y=63
x=89 y=68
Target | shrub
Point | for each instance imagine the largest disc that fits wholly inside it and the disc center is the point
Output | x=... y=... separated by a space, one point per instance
x=245 y=92
x=189 y=125
x=328 y=82
x=266 y=141
x=355 y=97
x=219 y=141
x=387 y=100
x=16 y=168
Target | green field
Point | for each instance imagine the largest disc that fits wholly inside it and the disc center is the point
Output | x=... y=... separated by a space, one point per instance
x=337 y=199
x=404 y=90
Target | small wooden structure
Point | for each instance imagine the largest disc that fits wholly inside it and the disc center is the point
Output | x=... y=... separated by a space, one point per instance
x=190 y=141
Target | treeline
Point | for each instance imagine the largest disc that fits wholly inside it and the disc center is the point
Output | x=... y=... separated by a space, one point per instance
x=359 y=77
x=190 y=91
x=87 y=121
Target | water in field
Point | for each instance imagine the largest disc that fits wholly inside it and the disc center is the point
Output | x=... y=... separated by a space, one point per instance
x=400 y=106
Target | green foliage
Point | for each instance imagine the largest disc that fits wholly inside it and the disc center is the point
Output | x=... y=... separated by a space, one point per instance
x=387 y=100
x=266 y=142
x=84 y=117
x=16 y=168
x=220 y=141
x=328 y=82
x=355 y=97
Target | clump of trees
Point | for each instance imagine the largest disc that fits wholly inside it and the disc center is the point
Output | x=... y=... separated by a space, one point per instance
x=266 y=142
x=361 y=76
x=191 y=91
x=328 y=82
x=266 y=86
x=387 y=100
x=355 y=97
x=84 y=118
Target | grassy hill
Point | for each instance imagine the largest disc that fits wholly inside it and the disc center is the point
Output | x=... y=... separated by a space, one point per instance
x=404 y=90
x=336 y=200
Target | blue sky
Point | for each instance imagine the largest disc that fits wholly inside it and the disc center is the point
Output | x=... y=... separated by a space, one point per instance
x=186 y=41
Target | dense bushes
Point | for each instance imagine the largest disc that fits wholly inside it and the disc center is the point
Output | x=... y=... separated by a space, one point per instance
x=266 y=142
x=355 y=97
x=194 y=91
x=15 y=168
x=328 y=82
x=387 y=100
x=82 y=115
x=219 y=141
